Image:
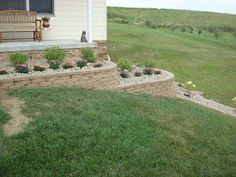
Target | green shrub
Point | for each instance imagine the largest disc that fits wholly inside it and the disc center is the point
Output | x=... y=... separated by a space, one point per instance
x=18 y=58
x=118 y=20
x=55 y=54
x=124 y=64
x=148 y=71
x=88 y=55
x=183 y=29
x=148 y=23
x=234 y=34
x=149 y=63
x=54 y=65
x=22 y=68
x=199 y=31
x=218 y=34
x=82 y=63
x=3 y=72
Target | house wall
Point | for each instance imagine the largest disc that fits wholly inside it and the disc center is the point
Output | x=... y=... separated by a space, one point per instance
x=70 y=19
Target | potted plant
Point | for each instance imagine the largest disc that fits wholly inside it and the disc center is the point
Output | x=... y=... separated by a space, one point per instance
x=46 y=23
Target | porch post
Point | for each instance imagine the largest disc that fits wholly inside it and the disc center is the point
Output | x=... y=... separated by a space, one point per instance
x=89 y=20
x=27 y=5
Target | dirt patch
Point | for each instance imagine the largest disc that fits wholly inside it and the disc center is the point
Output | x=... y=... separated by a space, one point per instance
x=13 y=107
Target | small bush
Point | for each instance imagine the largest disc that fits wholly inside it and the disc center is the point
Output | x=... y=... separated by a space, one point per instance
x=148 y=71
x=183 y=29
x=3 y=72
x=211 y=29
x=191 y=29
x=18 y=58
x=22 y=68
x=55 y=54
x=82 y=63
x=88 y=55
x=54 y=65
x=138 y=73
x=149 y=63
x=234 y=34
x=39 y=68
x=218 y=34
x=157 y=71
x=199 y=31
x=68 y=65
x=124 y=64
x=148 y=23
x=125 y=73
x=118 y=20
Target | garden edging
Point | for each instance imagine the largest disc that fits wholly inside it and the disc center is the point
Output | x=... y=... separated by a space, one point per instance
x=98 y=78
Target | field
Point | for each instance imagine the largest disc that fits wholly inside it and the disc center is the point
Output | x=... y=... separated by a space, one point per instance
x=203 y=59
x=78 y=132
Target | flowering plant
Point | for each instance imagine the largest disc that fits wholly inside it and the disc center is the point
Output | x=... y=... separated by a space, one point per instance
x=46 y=19
x=39 y=68
x=3 y=72
x=234 y=100
x=189 y=85
x=22 y=68
x=68 y=65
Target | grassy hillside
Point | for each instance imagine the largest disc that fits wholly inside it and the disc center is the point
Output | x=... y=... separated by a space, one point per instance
x=78 y=132
x=178 y=17
x=207 y=61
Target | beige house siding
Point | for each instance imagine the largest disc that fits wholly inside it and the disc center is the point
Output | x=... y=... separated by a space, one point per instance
x=71 y=18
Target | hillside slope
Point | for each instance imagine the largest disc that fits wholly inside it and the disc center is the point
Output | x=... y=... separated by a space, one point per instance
x=178 y=17
x=208 y=61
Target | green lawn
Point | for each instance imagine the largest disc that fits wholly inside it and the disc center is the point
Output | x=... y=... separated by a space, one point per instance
x=78 y=132
x=208 y=62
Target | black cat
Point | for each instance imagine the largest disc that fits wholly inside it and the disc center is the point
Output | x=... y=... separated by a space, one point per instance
x=83 y=37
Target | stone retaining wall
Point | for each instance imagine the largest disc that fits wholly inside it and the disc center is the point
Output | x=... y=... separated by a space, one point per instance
x=165 y=88
x=99 y=78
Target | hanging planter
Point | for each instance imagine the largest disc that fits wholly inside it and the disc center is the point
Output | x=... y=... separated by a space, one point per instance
x=46 y=23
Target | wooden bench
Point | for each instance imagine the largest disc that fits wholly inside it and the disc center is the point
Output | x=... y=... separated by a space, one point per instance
x=20 y=21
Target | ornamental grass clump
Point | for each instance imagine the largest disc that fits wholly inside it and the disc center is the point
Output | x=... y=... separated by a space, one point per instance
x=18 y=58
x=22 y=68
x=124 y=64
x=55 y=54
x=88 y=55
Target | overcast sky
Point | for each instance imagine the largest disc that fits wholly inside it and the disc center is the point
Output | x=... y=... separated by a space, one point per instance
x=227 y=6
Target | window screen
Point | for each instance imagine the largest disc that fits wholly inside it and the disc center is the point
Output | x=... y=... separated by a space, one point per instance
x=12 y=4
x=42 y=6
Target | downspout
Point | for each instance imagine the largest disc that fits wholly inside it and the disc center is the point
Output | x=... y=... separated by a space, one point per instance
x=89 y=21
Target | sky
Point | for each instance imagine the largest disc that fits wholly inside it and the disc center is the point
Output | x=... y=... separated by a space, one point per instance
x=224 y=6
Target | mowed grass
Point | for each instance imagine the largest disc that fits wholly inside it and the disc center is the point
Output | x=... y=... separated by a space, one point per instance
x=208 y=62
x=78 y=132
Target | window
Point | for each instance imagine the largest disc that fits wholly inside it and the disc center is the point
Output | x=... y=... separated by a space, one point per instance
x=40 y=6
x=12 y=4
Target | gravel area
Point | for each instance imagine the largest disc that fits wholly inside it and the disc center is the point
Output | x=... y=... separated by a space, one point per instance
x=43 y=62
x=144 y=78
x=197 y=97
